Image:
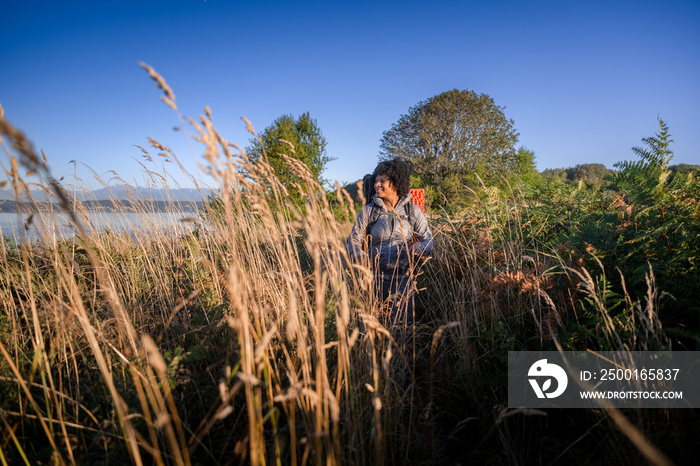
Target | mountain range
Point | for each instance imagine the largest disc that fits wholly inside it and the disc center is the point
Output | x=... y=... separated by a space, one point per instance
x=122 y=192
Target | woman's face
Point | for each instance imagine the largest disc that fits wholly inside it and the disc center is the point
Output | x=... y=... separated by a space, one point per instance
x=384 y=188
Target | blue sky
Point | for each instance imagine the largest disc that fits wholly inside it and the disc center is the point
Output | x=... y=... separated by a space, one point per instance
x=583 y=81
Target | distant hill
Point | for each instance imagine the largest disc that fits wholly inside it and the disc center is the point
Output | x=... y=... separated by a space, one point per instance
x=123 y=192
x=128 y=192
x=151 y=199
x=10 y=206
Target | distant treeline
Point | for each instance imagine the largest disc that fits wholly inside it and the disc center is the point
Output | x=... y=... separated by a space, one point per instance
x=10 y=206
x=595 y=175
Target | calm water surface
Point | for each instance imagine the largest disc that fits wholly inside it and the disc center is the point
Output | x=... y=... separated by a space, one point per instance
x=52 y=226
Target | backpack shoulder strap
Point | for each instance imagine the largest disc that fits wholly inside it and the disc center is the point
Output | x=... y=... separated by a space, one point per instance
x=408 y=209
x=373 y=217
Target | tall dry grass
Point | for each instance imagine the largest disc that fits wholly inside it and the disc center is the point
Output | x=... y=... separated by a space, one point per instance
x=500 y=289
x=251 y=338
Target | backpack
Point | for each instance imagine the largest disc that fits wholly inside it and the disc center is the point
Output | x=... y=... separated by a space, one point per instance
x=368 y=187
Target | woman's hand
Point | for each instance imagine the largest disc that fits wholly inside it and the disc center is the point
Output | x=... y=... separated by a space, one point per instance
x=417 y=249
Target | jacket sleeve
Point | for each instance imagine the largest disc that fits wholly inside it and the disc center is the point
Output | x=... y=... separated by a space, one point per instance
x=423 y=245
x=357 y=235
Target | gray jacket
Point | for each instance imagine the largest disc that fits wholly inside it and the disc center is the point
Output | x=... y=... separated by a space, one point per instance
x=389 y=241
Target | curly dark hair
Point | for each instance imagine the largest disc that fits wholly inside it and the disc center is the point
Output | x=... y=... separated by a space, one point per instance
x=399 y=174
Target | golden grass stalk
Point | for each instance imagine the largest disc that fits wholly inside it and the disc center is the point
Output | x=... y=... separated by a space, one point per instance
x=109 y=328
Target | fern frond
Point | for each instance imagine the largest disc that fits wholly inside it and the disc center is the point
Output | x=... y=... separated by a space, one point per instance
x=645 y=179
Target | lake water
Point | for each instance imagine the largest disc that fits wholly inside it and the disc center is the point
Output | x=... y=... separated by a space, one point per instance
x=53 y=226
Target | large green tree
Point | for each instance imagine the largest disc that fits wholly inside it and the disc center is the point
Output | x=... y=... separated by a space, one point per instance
x=450 y=136
x=298 y=138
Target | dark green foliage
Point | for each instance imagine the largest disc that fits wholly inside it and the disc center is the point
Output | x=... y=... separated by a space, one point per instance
x=644 y=180
x=558 y=213
x=684 y=167
x=593 y=175
x=450 y=136
x=660 y=225
x=525 y=169
x=649 y=222
x=300 y=139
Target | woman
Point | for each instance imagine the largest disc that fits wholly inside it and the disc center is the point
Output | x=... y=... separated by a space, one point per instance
x=397 y=235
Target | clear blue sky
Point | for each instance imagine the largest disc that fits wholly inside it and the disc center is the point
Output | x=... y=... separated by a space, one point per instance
x=583 y=81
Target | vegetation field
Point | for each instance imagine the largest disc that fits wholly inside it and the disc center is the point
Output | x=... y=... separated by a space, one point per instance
x=254 y=340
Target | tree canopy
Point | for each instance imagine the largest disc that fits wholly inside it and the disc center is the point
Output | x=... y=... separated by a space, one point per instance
x=593 y=175
x=299 y=138
x=450 y=136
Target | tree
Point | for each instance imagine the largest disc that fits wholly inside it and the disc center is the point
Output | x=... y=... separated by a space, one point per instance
x=450 y=136
x=559 y=174
x=684 y=167
x=299 y=138
x=593 y=175
x=525 y=168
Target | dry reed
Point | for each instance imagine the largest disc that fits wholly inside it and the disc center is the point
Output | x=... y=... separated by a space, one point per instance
x=246 y=338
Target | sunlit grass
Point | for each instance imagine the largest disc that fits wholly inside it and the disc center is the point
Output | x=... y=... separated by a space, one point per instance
x=250 y=337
